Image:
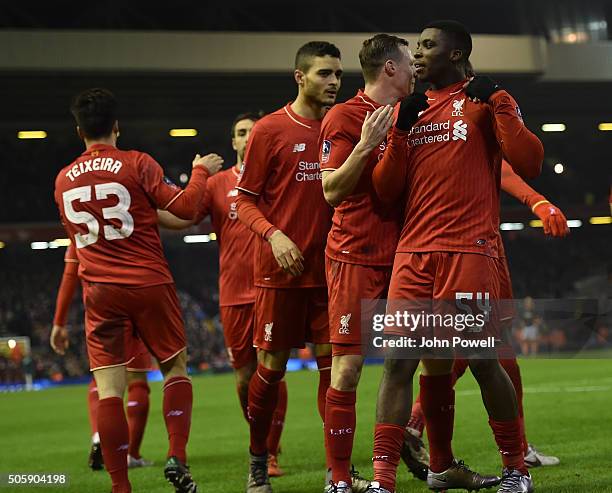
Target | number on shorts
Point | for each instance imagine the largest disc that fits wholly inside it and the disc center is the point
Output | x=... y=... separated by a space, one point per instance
x=119 y=211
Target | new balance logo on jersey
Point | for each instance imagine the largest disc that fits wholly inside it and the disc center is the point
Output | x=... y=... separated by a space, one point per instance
x=344 y=324
x=233 y=192
x=458 y=107
x=460 y=130
x=299 y=147
x=174 y=412
x=268 y=332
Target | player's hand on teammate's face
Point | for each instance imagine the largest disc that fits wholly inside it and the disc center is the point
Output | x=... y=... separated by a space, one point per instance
x=286 y=253
x=376 y=125
x=59 y=339
x=212 y=162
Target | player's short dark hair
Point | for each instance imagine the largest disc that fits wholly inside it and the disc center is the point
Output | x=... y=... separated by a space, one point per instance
x=95 y=111
x=376 y=51
x=458 y=34
x=250 y=115
x=304 y=56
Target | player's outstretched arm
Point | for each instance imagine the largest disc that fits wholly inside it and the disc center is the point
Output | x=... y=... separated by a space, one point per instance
x=168 y=220
x=523 y=150
x=182 y=203
x=59 y=333
x=553 y=219
x=339 y=184
x=389 y=175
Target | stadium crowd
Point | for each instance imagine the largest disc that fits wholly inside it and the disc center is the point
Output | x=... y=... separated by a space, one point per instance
x=29 y=280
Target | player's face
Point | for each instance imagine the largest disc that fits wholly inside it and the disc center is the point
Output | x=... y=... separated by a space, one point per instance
x=242 y=130
x=322 y=80
x=405 y=73
x=432 y=58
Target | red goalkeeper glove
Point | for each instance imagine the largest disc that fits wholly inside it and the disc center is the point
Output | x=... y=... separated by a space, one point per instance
x=553 y=220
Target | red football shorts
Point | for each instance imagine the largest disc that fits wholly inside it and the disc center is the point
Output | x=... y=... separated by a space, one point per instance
x=141 y=357
x=114 y=314
x=448 y=283
x=350 y=285
x=238 y=322
x=287 y=318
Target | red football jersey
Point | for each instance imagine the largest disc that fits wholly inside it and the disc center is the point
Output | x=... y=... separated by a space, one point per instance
x=235 y=239
x=108 y=200
x=453 y=176
x=282 y=169
x=364 y=231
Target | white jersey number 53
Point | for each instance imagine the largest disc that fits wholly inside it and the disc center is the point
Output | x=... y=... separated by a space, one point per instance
x=118 y=211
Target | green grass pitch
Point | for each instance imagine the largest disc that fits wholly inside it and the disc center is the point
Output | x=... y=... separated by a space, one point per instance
x=567 y=405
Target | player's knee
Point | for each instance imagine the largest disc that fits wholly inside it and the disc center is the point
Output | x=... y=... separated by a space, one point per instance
x=346 y=376
x=136 y=376
x=111 y=382
x=432 y=367
x=483 y=369
x=399 y=370
x=176 y=367
x=273 y=360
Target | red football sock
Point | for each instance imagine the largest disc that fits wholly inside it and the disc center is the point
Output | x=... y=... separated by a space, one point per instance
x=92 y=406
x=263 y=396
x=514 y=372
x=417 y=419
x=278 y=419
x=388 y=440
x=459 y=367
x=340 y=421
x=438 y=404
x=508 y=439
x=114 y=438
x=178 y=401
x=137 y=414
x=324 y=364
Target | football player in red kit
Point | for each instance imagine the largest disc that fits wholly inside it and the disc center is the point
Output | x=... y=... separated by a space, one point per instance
x=361 y=243
x=445 y=172
x=108 y=200
x=280 y=200
x=236 y=288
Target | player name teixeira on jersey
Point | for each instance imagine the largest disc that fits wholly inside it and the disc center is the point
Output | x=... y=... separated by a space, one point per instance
x=96 y=164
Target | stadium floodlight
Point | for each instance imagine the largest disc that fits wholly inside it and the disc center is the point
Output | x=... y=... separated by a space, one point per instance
x=183 y=132
x=184 y=177
x=574 y=223
x=553 y=127
x=2 y=244
x=59 y=242
x=605 y=127
x=535 y=223
x=601 y=220
x=39 y=245
x=31 y=134
x=559 y=168
x=511 y=226
x=196 y=239
x=212 y=236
